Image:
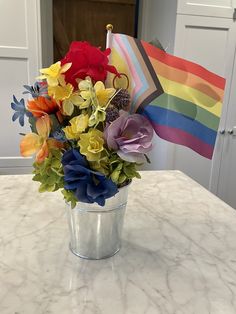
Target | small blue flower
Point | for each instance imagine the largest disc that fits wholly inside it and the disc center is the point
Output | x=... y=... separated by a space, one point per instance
x=19 y=107
x=59 y=135
x=88 y=186
x=39 y=89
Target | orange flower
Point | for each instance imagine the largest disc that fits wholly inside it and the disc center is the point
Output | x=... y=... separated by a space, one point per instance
x=39 y=143
x=42 y=105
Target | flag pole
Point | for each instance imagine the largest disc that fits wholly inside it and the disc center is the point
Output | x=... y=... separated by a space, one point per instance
x=109 y=29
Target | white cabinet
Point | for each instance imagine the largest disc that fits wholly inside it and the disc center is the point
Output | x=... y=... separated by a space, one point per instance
x=210 y=42
x=20 y=58
x=226 y=188
x=205 y=33
x=214 y=8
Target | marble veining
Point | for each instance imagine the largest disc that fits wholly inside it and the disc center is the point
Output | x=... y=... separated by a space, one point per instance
x=178 y=254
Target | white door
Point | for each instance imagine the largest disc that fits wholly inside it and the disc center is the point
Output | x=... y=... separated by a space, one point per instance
x=226 y=188
x=210 y=42
x=20 y=59
x=214 y=8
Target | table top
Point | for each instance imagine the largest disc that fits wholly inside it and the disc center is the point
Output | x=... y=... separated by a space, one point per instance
x=178 y=254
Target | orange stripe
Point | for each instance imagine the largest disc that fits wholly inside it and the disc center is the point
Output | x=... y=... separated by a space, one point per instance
x=184 y=65
x=188 y=79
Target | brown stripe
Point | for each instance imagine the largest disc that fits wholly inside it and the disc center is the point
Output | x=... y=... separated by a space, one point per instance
x=150 y=67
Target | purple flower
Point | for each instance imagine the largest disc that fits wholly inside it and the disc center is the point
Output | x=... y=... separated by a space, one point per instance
x=130 y=136
x=88 y=186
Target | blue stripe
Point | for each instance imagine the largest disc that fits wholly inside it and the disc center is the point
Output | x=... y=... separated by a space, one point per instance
x=177 y=120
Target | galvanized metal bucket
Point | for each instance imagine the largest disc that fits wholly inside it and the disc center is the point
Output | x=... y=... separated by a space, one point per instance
x=96 y=230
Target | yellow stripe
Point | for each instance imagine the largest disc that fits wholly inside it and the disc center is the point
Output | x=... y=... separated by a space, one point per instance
x=190 y=94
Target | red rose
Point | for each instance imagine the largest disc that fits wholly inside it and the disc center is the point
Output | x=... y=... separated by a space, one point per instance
x=87 y=60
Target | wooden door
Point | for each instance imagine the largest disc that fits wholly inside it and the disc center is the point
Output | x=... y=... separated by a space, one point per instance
x=86 y=20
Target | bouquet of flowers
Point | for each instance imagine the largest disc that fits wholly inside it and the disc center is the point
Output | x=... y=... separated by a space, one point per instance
x=85 y=141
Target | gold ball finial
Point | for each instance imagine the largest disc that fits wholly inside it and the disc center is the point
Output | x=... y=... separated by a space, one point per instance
x=109 y=27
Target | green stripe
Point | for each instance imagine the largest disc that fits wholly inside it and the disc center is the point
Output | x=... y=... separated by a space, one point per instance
x=187 y=108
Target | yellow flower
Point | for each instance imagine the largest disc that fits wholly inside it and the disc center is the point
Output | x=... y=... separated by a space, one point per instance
x=87 y=93
x=103 y=94
x=96 y=95
x=69 y=103
x=60 y=92
x=77 y=126
x=53 y=74
x=91 y=144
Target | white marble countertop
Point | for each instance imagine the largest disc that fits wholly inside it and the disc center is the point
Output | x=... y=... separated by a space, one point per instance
x=178 y=255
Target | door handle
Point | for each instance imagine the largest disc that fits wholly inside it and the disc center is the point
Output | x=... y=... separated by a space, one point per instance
x=232 y=131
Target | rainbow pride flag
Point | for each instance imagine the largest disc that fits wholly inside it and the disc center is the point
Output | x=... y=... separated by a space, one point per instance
x=182 y=100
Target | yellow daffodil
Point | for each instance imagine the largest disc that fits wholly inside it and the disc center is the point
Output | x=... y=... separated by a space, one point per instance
x=91 y=144
x=53 y=74
x=103 y=94
x=39 y=143
x=60 y=92
x=96 y=95
x=77 y=126
x=69 y=103
x=64 y=93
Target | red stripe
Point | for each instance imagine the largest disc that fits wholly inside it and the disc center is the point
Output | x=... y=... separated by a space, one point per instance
x=178 y=136
x=184 y=65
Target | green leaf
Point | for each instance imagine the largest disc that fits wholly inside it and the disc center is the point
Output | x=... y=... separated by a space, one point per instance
x=115 y=176
x=69 y=197
x=121 y=179
x=43 y=188
x=32 y=122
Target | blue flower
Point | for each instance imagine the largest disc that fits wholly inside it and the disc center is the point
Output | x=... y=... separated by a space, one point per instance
x=88 y=186
x=59 y=135
x=39 y=89
x=19 y=107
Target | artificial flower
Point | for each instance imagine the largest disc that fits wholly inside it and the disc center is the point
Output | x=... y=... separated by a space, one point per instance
x=39 y=89
x=102 y=164
x=87 y=61
x=53 y=74
x=96 y=95
x=77 y=125
x=39 y=143
x=130 y=136
x=19 y=107
x=99 y=115
x=69 y=103
x=88 y=186
x=88 y=94
x=103 y=94
x=91 y=144
x=60 y=92
x=42 y=105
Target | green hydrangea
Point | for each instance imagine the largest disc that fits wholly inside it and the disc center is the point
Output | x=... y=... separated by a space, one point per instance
x=50 y=172
x=122 y=171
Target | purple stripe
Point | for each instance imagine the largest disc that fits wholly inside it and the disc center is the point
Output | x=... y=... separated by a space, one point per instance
x=178 y=136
